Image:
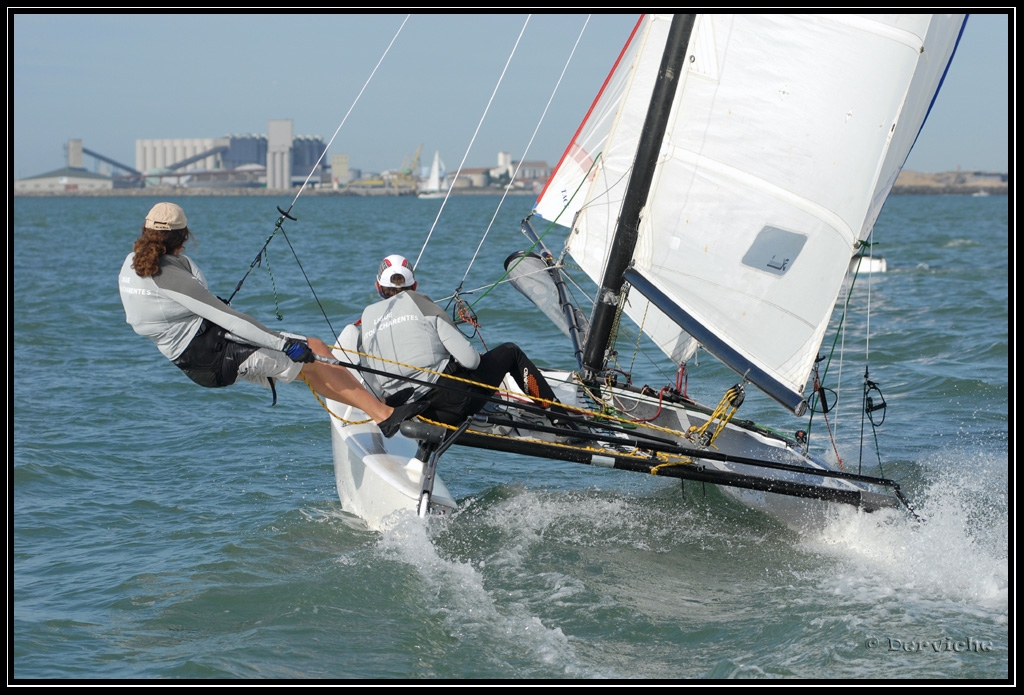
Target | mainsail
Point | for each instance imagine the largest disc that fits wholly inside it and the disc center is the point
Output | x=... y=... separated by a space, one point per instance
x=785 y=136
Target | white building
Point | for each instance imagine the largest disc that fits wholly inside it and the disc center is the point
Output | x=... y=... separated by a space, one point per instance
x=74 y=177
x=66 y=180
x=159 y=154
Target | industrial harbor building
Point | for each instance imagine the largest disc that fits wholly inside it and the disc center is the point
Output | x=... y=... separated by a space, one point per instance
x=277 y=160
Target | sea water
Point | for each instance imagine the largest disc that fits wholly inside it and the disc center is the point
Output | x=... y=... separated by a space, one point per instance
x=165 y=531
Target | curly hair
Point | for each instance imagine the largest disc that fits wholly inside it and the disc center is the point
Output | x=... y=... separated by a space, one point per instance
x=152 y=244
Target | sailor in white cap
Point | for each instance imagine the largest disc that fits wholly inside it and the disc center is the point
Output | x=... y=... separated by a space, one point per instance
x=414 y=339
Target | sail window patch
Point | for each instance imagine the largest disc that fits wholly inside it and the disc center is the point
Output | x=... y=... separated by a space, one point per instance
x=774 y=250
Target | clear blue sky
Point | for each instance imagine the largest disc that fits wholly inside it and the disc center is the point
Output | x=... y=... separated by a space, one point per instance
x=110 y=79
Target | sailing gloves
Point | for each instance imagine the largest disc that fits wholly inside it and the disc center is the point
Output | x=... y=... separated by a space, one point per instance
x=298 y=351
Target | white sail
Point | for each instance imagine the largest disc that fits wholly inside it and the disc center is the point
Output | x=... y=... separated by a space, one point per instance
x=562 y=196
x=437 y=180
x=595 y=169
x=785 y=137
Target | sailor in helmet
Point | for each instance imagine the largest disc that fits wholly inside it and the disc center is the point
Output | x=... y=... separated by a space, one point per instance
x=410 y=333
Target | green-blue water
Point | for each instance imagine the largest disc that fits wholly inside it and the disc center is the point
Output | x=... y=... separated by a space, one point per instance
x=164 y=531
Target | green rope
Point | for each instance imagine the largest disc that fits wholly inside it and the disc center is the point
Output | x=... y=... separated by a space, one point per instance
x=273 y=284
x=540 y=237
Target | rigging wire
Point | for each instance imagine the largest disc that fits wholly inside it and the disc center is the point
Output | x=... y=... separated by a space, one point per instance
x=529 y=144
x=842 y=345
x=839 y=380
x=868 y=406
x=840 y=331
x=350 y=109
x=540 y=237
x=867 y=335
x=471 y=141
x=286 y=214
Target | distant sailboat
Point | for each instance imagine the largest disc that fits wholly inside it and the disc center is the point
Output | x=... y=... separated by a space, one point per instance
x=864 y=262
x=437 y=182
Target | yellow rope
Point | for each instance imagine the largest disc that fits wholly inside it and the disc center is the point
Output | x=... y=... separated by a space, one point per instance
x=666 y=460
x=733 y=397
x=656 y=469
x=329 y=411
x=603 y=415
x=639 y=333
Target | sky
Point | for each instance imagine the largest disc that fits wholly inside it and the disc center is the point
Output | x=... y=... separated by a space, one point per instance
x=112 y=79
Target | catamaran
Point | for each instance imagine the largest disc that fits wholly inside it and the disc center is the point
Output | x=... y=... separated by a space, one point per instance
x=715 y=192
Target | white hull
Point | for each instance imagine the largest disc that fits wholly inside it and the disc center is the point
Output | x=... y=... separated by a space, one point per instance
x=379 y=479
x=796 y=512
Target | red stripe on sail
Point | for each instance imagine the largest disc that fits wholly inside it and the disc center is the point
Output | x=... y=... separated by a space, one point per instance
x=574 y=150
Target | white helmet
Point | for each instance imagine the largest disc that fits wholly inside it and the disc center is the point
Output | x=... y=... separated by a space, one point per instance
x=396 y=271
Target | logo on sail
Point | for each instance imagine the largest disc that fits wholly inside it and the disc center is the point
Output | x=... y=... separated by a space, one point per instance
x=774 y=250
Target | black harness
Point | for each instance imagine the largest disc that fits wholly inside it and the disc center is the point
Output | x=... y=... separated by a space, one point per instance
x=211 y=359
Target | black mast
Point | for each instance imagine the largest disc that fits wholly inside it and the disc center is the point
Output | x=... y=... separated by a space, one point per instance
x=627 y=229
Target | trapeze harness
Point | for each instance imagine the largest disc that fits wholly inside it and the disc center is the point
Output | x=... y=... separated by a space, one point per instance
x=167 y=306
x=212 y=360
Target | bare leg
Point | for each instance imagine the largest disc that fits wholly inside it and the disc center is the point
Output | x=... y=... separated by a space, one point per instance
x=338 y=384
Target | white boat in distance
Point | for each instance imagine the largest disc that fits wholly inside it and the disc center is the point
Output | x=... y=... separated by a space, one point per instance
x=437 y=182
x=716 y=192
x=865 y=263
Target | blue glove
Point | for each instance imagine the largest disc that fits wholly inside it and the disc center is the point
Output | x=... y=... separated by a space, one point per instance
x=298 y=351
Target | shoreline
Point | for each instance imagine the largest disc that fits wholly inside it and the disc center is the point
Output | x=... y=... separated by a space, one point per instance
x=908 y=183
x=164 y=191
x=185 y=191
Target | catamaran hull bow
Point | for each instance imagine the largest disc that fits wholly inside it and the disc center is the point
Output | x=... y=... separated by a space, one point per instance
x=379 y=479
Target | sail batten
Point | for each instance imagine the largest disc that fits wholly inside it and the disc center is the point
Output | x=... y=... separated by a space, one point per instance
x=784 y=138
